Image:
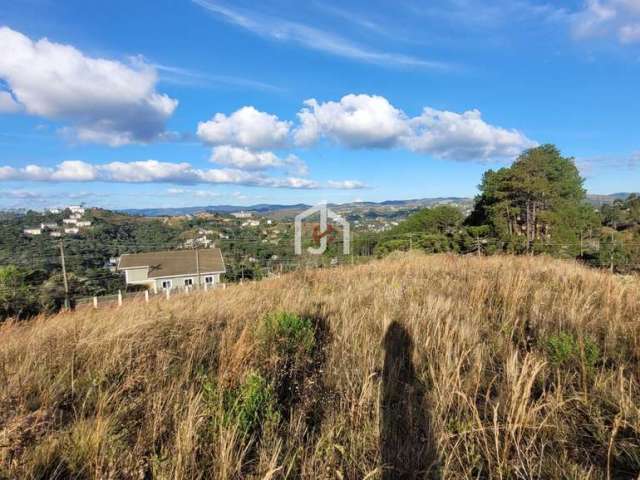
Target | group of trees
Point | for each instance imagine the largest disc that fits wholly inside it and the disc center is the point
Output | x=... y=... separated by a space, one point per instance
x=536 y=205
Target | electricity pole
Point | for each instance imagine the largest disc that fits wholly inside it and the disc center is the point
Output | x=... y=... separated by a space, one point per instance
x=64 y=276
x=198 y=266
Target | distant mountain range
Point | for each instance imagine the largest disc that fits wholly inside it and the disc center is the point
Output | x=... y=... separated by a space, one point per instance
x=265 y=208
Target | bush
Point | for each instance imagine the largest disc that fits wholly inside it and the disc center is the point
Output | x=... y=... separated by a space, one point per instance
x=286 y=335
x=565 y=350
x=253 y=405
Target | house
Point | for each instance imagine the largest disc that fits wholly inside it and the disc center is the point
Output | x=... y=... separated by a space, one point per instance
x=70 y=221
x=32 y=231
x=55 y=234
x=83 y=223
x=72 y=230
x=48 y=226
x=173 y=269
x=53 y=210
x=241 y=214
x=76 y=209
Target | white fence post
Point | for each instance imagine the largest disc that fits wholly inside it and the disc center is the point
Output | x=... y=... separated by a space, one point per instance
x=155 y=288
x=119 y=298
x=167 y=291
x=95 y=302
x=206 y=286
x=146 y=296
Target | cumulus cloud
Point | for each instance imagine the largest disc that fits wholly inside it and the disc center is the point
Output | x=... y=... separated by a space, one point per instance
x=153 y=171
x=369 y=121
x=356 y=121
x=603 y=18
x=105 y=101
x=462 y=136
x=247 y=128
x=246 y=159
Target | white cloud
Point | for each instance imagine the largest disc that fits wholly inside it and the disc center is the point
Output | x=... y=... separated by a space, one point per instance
x=312 y=38
x=589 y=165
x=356 y=121
x=246 y=159
x=67 y=171
x=462 y=136
x=366 y=121
x=8 y=104
x=604 y=18
x=346 y=184
x=153 y=171
x=194 y=193
x=246 y=127
x=105 y=101
x=629 y=33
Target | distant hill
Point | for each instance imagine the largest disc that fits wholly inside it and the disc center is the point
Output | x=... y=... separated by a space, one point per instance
x=598 y=200
x=264 y=208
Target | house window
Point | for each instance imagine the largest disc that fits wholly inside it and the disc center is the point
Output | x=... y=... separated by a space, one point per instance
x=208 y=279
x=166 y=284
x=188 y=282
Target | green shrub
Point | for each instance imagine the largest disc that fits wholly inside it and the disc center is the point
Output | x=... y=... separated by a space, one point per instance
x=286 y=334
x=252 y=405
x=566 y=350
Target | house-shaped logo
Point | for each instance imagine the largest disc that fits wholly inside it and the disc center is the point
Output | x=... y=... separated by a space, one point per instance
x=322 y=232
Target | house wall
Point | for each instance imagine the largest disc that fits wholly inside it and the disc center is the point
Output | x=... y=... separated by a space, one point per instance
x=178 y=282
x=136 y=275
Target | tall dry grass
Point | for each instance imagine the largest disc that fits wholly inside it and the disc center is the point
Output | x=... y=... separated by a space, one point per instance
x=511 y=368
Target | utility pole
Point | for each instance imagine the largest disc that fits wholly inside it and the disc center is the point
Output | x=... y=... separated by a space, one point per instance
x=64 y=276
x=198 y=266
x=613 y=240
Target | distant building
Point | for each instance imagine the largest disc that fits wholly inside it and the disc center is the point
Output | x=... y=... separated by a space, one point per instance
x=83 y=223
x=241 y=214
x=197 y=242
x=49 y=226
x=251 y=223
x=32 y=231
x=76 y=209
x=53 y=210
x=55 y=234
x=173 y=269
x=70 y=221
x=72 y=230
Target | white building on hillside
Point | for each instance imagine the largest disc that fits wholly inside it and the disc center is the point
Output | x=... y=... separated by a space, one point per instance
x=76 y=209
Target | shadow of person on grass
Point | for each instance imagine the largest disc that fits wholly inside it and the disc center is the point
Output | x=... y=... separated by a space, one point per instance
x=407 y=446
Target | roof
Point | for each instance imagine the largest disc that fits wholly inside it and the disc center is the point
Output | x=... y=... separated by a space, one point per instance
x=174 y=262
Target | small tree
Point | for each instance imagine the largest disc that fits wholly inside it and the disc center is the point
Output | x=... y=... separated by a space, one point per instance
x=17 y=299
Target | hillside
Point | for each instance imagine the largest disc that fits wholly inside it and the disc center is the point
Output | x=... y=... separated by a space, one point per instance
x=410 y=367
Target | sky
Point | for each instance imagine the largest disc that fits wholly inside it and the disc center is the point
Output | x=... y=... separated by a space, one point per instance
x=175 y=103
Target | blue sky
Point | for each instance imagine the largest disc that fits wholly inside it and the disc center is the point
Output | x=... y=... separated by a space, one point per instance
x=195 y=102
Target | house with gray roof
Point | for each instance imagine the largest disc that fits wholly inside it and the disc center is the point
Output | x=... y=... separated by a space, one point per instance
x=173 y=269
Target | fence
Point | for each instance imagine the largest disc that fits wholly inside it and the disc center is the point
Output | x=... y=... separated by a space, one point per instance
x=120 y=298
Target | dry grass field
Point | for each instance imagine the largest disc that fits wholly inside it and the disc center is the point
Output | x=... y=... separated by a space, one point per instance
x=409 y=367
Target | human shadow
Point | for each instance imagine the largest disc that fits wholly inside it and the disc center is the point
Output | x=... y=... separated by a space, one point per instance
x=407 y=445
